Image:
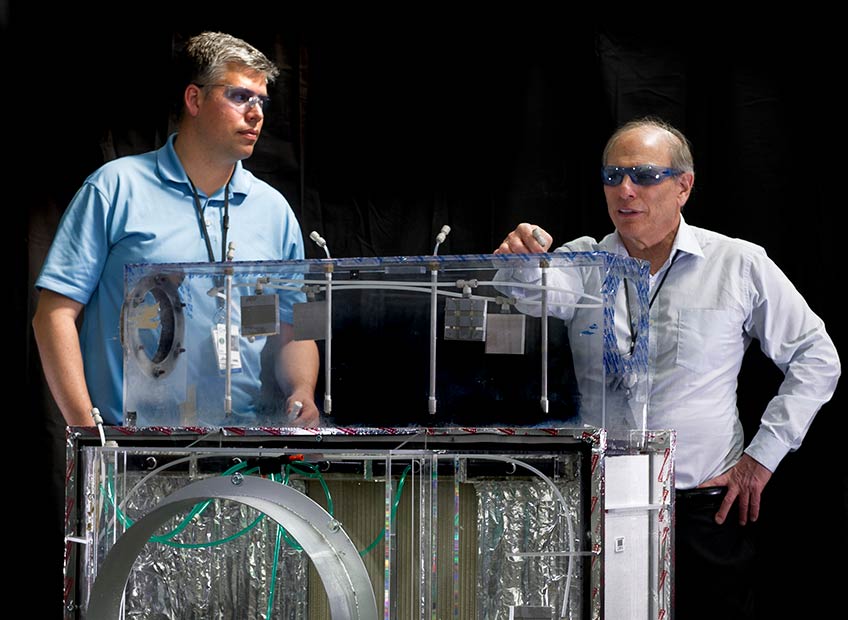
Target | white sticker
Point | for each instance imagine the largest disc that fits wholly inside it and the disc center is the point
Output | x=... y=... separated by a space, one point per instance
x=219 y=336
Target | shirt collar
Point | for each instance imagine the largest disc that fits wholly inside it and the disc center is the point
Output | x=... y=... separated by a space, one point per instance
x=171 y=170
x=684 y=241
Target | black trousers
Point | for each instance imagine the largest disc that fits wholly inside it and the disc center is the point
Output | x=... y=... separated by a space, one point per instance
x=714 y=571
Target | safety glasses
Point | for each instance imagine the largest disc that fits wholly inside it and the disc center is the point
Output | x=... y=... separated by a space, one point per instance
x=645 y=174
x=241 y=98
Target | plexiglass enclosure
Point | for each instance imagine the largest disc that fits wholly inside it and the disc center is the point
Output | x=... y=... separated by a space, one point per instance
x=453 y=340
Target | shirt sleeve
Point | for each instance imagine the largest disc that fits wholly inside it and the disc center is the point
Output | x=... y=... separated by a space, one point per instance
x=76 y=257
x=564 y=288
x=794 y=337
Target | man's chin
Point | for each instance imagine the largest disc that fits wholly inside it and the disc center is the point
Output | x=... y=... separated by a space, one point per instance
x=246 y=151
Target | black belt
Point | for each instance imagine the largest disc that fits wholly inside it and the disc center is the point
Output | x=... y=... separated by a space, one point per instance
x=700 y=494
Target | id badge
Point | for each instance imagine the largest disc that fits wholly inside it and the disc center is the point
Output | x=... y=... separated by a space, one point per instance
x=219 y=336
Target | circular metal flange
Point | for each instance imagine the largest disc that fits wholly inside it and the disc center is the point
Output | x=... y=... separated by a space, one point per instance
x=333 y=554
x=139 y=317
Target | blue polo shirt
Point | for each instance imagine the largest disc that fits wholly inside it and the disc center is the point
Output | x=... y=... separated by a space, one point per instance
x=141 y=209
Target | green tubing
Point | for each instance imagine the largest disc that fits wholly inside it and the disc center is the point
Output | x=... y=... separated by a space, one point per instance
x=199 y=508
x=273 y=588
x=302 y=469
x=315 y=474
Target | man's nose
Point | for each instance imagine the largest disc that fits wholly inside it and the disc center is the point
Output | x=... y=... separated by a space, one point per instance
x=254 y=109
x=627 y=187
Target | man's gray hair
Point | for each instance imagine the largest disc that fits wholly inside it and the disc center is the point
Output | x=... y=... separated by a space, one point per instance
x=209 y=55
x=678 y=144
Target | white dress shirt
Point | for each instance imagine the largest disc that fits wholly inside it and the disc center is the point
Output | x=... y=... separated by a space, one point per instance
x=719 y=295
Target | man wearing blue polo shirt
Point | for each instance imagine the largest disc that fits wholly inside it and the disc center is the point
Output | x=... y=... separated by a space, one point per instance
x=185 y=202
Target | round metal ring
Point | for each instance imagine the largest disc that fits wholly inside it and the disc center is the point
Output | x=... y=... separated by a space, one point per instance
x=139 y=315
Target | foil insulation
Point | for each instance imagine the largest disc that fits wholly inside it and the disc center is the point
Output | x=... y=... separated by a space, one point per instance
x=227 y=561
x=525 y=536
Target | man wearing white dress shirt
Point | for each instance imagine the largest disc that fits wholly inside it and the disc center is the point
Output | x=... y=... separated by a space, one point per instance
x=710 y=296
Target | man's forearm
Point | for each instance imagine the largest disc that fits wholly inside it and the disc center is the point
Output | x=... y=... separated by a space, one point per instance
x=61 y=358
x=298 y=368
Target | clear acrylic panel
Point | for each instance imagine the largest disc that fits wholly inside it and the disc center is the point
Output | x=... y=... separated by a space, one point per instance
x=479 y=340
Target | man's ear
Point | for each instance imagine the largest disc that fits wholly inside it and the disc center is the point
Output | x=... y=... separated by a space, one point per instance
x=685 y=183
x=192 y=98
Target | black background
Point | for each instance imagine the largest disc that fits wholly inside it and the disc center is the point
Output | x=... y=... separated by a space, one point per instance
x=380 y=135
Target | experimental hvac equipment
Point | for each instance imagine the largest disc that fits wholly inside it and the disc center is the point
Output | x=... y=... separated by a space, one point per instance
x=485 y=449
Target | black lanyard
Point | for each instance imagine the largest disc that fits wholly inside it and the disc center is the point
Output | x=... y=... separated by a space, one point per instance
x=226 y=223
x=650 y=303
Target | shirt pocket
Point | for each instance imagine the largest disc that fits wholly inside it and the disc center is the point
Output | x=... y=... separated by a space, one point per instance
x=700 y=338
